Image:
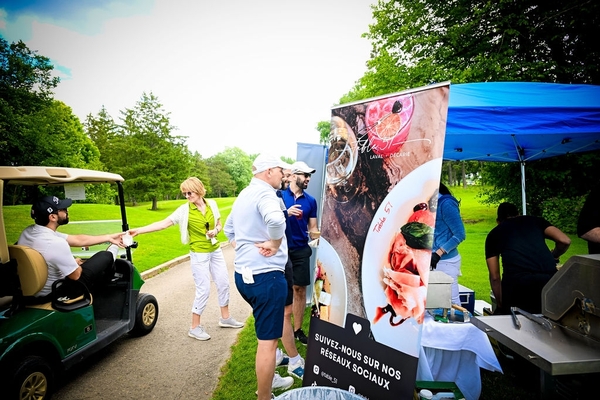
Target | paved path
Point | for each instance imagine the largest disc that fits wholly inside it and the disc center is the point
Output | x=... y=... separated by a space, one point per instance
x=166 y=364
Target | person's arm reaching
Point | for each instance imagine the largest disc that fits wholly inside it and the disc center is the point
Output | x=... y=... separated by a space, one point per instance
x=156 y=226
x=562 y=241
x=90 y=240
x=592 y=235
x=588 y=223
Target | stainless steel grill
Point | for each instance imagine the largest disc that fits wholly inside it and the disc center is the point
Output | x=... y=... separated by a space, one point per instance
x=565 y=338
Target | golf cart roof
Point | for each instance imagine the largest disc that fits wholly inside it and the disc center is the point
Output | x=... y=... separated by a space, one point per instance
x=55 y=175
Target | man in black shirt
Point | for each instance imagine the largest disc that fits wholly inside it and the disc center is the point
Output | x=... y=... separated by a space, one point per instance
x=527 y=263
x=588 y=225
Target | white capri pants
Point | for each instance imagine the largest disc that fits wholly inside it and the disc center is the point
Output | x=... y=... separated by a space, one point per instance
x=451 y=266
x=205 y=266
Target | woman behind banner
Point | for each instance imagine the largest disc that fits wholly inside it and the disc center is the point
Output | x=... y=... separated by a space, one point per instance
x=449 y=233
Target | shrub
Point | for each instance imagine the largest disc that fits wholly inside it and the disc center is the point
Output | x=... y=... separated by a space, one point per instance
x=563 y=213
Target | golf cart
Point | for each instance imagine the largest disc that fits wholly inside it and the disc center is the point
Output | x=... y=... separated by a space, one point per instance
x=39 y=341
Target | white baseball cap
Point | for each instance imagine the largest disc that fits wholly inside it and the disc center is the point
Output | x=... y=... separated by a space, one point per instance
x=265 y=161
x=301 y=167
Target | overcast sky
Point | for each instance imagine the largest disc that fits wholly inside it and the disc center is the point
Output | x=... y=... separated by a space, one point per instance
x=253 y=74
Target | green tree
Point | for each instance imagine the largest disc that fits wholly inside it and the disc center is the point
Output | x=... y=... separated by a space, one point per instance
x=155 y=161
x=103 y=131
x=545 y=182
x=324 y=128
x=200 y=170
x=238 y=165
x=288 y=160
x=26 y=85
x=222 y=184
x=456 y=173
x=415 y=43
x=57 y=138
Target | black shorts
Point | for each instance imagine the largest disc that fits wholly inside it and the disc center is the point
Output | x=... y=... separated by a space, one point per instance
x=300 y=259
x=289 y=278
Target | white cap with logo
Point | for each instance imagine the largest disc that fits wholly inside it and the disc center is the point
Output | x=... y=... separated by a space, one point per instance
x=265 y=161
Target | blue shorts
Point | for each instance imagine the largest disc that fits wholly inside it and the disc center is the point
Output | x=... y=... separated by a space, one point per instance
x=267 y=297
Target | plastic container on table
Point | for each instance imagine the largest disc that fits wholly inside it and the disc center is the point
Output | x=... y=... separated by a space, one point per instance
x=443 y=390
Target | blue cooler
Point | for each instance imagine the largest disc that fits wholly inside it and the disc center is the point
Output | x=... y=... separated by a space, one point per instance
x=467 y=298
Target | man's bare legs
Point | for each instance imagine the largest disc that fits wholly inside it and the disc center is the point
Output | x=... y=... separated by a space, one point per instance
x=299 y=306
x=287 y=339
x=265 y=367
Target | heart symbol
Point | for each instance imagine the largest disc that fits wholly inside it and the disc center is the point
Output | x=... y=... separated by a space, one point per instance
x=357 y=327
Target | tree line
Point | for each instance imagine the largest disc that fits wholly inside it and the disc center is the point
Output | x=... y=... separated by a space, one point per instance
x=141 y=145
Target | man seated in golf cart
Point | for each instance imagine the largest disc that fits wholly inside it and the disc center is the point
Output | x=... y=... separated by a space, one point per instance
x=49 y=213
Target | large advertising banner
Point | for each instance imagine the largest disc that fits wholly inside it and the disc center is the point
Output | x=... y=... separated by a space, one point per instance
x=381 y=179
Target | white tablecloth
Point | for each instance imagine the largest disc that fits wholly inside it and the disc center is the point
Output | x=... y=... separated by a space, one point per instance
x=454 y=352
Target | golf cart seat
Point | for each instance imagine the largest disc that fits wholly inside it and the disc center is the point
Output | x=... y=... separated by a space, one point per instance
x=31 y=268
x=33 y=273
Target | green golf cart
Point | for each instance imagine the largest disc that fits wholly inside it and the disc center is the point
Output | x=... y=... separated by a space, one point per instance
x=38 y=342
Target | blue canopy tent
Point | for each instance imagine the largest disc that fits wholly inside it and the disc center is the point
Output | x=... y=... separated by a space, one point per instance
x=521 y=121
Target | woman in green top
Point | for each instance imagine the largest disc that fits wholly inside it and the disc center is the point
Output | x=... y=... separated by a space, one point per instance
x=199 y=223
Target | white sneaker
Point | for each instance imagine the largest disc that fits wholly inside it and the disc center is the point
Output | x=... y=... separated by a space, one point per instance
x=230 y=323
x=198 y=333
x=282 y=383
x=297 y=369
x=281 y=359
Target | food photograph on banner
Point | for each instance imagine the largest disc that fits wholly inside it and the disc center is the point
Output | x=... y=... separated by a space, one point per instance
x=382 y=174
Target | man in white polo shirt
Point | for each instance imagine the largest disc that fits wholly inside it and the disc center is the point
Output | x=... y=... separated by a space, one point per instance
x=49 y=213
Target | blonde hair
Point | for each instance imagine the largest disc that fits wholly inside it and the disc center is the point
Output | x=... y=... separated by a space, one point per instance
x=193 y=184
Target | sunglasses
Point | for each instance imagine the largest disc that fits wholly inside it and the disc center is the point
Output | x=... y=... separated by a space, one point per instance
x=207 y=225
x=186 y=194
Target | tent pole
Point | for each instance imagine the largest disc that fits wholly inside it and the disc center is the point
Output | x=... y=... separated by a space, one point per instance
x=523 y=195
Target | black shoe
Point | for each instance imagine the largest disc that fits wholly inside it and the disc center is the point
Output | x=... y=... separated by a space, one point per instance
x=301 y=337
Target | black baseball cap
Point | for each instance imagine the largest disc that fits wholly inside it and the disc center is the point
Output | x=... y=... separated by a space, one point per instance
x=42 y=208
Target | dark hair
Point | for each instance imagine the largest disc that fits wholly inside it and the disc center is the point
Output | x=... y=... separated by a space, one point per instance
x=42 y=220
x=506 y=210
x=444 y=189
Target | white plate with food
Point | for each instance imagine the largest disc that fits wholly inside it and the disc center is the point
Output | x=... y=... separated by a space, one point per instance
x=330 y=285
x=394 y=275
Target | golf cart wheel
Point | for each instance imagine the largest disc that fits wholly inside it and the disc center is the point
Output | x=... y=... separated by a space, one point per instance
x=33 y=379
x=146 y=314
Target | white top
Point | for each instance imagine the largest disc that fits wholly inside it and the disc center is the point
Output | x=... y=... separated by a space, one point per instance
x=54 y=248
x=181 y=216
x=256 y=217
